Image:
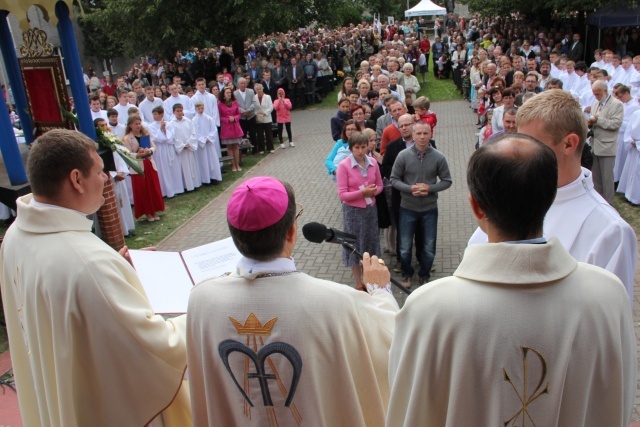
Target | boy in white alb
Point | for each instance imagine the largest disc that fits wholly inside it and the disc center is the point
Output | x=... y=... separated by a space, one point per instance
x=166 y=158
x=185 y=143
x=207 y=133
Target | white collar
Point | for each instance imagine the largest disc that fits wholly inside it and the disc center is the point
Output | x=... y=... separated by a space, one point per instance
x=251 y=268
x=354 y=162
x=36 y=204
x=576 y=188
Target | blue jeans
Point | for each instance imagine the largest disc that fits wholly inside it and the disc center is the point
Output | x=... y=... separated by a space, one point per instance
x=409 y=221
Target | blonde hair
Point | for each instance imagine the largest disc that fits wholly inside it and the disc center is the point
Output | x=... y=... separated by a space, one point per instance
x=365 y=82
x=560 y=115
x=422 y=102
x=368 y=132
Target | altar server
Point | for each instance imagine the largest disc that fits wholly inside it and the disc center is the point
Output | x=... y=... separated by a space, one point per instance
x=207 y=133
x=185 y=143
x=167 y=160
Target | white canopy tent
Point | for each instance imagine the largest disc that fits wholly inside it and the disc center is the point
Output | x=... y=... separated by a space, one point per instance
x=425 y=8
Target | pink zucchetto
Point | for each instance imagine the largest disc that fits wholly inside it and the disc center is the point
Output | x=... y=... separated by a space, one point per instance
x=257 y=203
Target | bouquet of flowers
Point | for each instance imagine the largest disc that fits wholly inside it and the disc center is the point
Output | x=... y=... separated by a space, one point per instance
x=110 y=141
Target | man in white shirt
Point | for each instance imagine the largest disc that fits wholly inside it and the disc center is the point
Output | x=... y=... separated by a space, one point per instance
x=624 y=74
x=599 y=62
x=186 y=145
x=122 y=107
x=148 y=104
x=586 y=225
x=522 y=333
x=607 y=57
x=96 y=112
x=174 y=99
x=570 y=78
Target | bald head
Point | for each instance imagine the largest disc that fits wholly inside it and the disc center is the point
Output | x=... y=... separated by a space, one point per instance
x=405 y=124
x=512 y=183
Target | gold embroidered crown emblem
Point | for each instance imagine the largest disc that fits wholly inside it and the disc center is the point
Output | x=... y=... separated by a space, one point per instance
x=252 y=326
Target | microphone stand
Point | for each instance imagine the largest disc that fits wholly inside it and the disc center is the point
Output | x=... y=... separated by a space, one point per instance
x=348 y=246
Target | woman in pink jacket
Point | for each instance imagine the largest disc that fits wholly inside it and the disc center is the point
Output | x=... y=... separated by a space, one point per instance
x=282 y=107
x=230 y=130
x=359 y=182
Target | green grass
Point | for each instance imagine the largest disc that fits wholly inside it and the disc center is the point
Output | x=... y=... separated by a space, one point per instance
x=436 y=90
x=181 y=208
x=630 y=213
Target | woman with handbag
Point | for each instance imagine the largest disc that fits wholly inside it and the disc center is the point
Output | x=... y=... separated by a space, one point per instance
x=230 y=130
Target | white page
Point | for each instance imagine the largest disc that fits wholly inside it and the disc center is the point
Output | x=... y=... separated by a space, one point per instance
x=165 y=279
x=211 y=260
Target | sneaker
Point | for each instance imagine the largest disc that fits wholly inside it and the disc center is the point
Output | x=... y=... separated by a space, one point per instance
x=433 y=268
x=291 y=144
x=283 y=146
x=406 y=282
x=271 y=151
x=397 y=268
x=423 y=280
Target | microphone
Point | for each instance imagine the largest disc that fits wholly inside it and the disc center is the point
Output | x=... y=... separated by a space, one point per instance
x=318 y=233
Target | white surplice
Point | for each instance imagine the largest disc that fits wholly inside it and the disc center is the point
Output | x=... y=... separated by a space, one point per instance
x=623 y=149
x=630 y=178
x=590 y=229
x=122 y=195
x=208 y=160
x=146 y=108
x=184 y=133
x=187 y=106
x=167 y=160
x=521 y=334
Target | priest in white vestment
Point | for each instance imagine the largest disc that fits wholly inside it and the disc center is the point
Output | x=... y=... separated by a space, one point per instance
x=207 y=133
x=630 y=105
x=629 y=183
x=185 y=143
x=166 y=158
x=521 y=334
x=86 y=346
x=584 y=223
x=270 y=345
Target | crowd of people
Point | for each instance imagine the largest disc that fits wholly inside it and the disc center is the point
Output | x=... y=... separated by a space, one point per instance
x=494 y=343
x=498 y=65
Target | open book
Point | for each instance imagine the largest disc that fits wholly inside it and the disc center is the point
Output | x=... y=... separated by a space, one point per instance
x=168 y=277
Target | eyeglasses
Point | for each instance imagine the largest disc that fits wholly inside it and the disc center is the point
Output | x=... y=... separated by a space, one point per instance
x=299 y=212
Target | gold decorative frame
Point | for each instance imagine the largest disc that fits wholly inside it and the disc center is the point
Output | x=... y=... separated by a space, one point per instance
x=54 y=65
x=35 y=44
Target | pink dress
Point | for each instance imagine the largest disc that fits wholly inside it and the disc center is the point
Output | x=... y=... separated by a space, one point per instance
x=230 y=132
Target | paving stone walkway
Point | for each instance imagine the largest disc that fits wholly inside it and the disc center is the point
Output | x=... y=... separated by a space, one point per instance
x=303 y=167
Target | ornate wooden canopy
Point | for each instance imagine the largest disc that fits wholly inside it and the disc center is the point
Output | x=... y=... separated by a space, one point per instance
x=19 y=8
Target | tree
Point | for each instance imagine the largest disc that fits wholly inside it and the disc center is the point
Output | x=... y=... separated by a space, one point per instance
x=536 y=9
x=164 y=26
